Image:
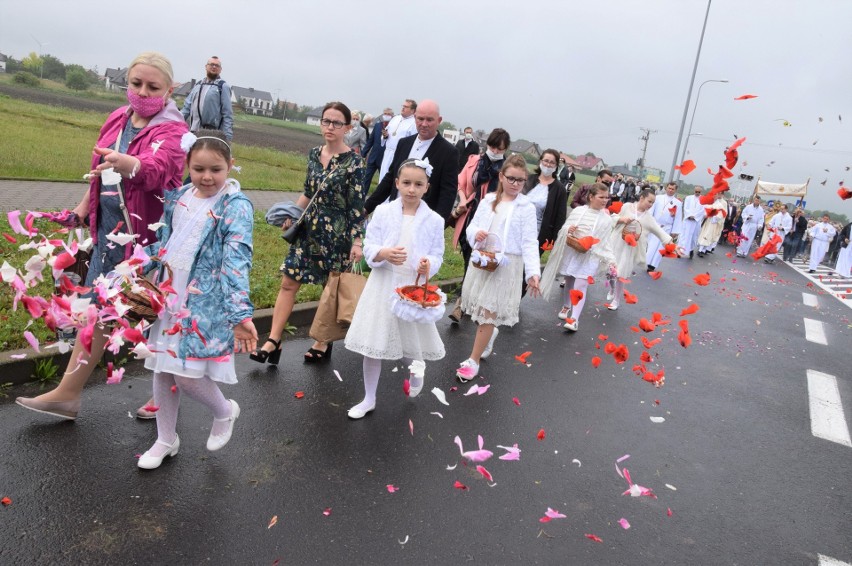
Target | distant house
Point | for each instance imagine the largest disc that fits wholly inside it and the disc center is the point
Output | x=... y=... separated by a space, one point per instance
x=451 y=136
x=3 y=60
x=625 y=170
x=257 y=102
x=590 y=163
x=115 y=79
x=313 y=117
x=183 y=90
x=525 y=147
x=570 y=161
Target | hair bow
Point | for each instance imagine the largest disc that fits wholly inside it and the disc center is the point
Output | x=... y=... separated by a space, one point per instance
x=425 y=165
x=187 y=141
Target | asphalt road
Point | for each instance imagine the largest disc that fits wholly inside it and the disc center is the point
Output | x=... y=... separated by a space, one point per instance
x=735 y=462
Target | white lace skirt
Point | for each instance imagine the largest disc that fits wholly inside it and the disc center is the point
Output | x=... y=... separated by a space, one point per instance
x=376 y=332
x=497 y=291
x=223 y=372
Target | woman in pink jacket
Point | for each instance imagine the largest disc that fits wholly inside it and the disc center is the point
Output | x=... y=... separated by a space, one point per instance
x=137 y=157
x=477 y=178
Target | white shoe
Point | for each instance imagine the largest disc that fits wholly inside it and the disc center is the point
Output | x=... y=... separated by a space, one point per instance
x=613 y=306
x=218 y=441
x=563 y=314
x=572 y=326
x=356 y=413
x=468 y=370
x=149 y=462
x=490 y=347
x=610 y=296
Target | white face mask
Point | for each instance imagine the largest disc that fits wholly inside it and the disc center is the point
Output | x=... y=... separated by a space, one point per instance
x=468 y=137
x=545 y=170
x=387 y=117
x=493 y=156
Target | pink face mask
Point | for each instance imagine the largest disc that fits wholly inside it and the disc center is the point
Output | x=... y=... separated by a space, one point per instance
x=145 y=106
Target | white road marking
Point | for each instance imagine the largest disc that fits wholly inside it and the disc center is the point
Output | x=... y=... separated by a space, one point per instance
x=810 y=300
x=814 y=332
x=827 y=418
x=829 y=561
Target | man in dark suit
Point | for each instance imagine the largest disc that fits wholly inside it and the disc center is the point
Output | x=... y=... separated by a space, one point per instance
x=567 y=176
x=466 y=147
x=427 y=144
x=375 y=150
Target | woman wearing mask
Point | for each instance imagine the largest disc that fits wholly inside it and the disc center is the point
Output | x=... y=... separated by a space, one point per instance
x=548 y=196
x=477 y=178
x=140 y=145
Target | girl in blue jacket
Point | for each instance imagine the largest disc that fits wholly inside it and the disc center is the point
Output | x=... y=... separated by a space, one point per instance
x=206 y=240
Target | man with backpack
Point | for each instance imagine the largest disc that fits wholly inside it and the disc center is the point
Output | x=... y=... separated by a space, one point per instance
x=208 y=105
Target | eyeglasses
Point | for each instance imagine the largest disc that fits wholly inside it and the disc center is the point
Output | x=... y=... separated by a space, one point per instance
x=333 y=123
x=607 y=183
x=514 y=180
x=217 y=65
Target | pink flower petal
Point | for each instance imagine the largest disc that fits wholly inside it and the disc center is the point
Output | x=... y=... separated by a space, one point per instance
x=624 y=523
x=32 y=340
x=485 y=473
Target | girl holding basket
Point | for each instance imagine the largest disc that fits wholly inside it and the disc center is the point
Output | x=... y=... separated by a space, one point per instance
x=504 y=237
x=404 y=241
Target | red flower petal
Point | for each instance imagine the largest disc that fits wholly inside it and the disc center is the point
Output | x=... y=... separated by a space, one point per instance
x=576 y=296
x=596 y=361
x=540 y=434
x=655 y=275
x=691 y=309
x=299 y=394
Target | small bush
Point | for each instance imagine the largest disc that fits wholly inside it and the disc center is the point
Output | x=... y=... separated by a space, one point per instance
x=76 y=80
x=46 y=372
x=25 y=78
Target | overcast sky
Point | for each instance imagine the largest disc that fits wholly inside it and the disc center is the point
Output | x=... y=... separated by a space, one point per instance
x=577 y=76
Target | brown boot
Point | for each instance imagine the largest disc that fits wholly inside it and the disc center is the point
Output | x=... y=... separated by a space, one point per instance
x=457 y=314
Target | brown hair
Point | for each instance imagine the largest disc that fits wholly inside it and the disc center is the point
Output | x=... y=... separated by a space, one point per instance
x=598 y=188
x=339 y=106
x=499 y=138
x=515 y=161
x=212 y=140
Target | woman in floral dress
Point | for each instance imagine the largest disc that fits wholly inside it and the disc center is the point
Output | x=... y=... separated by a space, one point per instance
x=330 y=239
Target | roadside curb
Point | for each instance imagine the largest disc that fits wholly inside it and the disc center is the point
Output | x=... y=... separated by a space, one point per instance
x=21 y=371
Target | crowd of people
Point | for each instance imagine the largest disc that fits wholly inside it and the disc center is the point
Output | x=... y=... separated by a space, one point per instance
x=503 y=218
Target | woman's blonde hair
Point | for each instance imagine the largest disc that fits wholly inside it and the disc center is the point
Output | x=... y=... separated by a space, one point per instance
x=514 y=161
x=156 y=60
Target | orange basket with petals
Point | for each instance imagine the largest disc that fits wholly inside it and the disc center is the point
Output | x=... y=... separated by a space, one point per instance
x=419 y=303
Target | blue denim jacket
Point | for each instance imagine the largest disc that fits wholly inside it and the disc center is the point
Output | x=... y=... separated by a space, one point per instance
x=220 y=271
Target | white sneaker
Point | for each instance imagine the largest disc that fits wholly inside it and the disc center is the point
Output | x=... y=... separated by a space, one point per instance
x=563 y=314
x=572 y=326
x=613 y=306
x=468 y=370
x=358 y=412
x=490 y=347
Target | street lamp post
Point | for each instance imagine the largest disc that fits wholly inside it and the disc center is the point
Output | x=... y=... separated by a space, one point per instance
x=689 y=93
x=692 y=120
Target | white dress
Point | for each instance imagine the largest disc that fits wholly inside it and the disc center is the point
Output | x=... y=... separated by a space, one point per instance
x=498 y=291
x=375 y=331
x=584 y=265
x=187 y=224
x=844 y=261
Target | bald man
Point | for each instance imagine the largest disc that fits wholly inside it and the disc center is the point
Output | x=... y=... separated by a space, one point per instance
x=426 y=144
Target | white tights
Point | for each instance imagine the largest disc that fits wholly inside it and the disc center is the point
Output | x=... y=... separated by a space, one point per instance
x=580 y=285
x=202 y=389
x=372 y=372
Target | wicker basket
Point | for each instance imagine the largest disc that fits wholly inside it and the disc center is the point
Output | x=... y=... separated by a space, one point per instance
x=419 y=303
x=141 y=304
x=486 y=249
x=632 y=227
x=575 y=244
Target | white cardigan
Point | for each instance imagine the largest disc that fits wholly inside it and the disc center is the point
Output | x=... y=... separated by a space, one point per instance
x=384 y=229
x=521 y=234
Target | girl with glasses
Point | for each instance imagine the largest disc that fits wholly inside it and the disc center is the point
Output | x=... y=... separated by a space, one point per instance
x=504 y=221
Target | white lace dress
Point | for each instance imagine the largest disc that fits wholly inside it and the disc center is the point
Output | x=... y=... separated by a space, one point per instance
x=188 y=222
x=375 y=331
x=497 y=291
